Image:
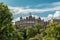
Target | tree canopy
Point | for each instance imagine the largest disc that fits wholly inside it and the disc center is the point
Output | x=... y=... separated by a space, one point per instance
x=6 y=26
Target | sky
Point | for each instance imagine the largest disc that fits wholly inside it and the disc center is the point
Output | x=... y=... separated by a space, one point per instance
x=46 y=9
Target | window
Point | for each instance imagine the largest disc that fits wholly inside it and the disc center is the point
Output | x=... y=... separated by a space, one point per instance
x=29 y=22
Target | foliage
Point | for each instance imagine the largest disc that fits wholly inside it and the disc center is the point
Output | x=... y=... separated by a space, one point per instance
x=53 y=31
x=37 y=37
x=39 y=28
x=33 y=39
x=6 y=26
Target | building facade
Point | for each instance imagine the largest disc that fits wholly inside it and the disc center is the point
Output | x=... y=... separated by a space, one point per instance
x=28 y=21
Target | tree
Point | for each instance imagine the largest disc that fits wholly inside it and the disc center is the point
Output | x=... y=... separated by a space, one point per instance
x=36 y=37
x=30 y=32
x=6 y=27
x=23 y=30
x=18 y=36
x=53 y=31
x=38 y=27
x=33 y=39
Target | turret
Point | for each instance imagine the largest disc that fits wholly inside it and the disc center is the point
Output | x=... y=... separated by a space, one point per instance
x=21 y=18
x=39 y=18
x=30 y=15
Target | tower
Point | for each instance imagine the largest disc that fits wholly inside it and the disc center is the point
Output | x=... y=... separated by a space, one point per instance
x=30 y=16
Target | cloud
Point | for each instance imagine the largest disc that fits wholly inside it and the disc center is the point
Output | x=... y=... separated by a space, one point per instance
x=35 y=16
x=17 y=19
x=50 y=4
x=56 y=15
x=27 y=9
x=18 y=10
x=22 y=10
x=55 y=6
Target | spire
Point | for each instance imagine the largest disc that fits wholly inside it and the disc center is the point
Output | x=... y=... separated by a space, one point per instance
x=39 y=18
x=30 y=14
x=21 y=17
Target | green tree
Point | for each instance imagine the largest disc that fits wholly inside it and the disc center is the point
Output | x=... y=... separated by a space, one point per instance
x=23 y=30
x=18 y=36
x=33 y=39
x=53 y=31
x=36 y=37
x=39 y=28
x=6 y=27
x=30 y=32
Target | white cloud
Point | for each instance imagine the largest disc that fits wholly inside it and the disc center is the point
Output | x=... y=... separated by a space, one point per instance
x=55 y=16
x=18 y=10
x=17 y=19
x=55 y=6
x=35 y=16
x=50 y=16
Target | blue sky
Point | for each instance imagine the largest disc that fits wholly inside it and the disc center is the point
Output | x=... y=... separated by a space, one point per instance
x=38 y=8
x=27 y=2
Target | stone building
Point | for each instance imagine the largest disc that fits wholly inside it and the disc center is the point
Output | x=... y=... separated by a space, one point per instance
x=28 y=21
